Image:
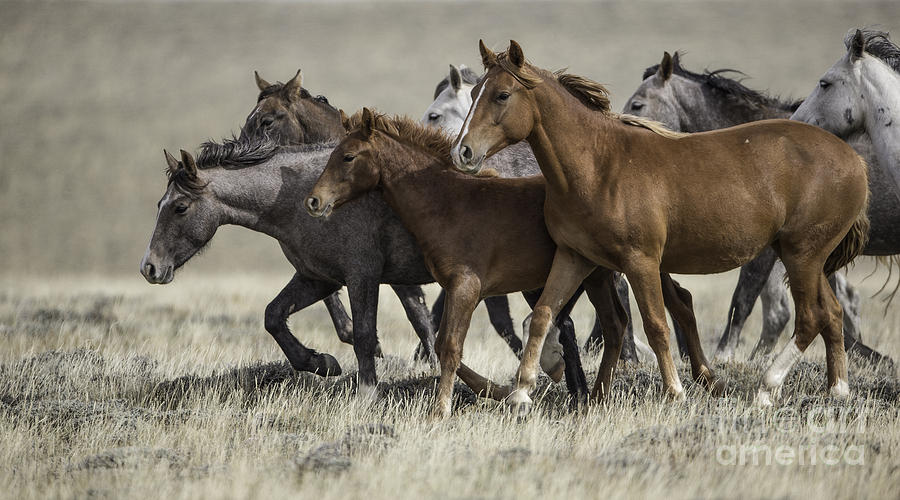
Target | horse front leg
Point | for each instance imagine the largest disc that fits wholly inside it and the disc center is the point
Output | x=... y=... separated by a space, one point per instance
x=643 y=274
x=463 y=295
x=343 y=325
x=568 y=271
x=412 y=298
x=363 y=292
x=498 y=313
x=750 y=283
x=601 y=289
x=296 y=295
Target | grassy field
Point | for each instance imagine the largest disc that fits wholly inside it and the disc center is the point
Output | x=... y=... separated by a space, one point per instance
x=111 y=388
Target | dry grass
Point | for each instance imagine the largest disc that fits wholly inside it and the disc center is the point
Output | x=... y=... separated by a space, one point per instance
x=113 y=388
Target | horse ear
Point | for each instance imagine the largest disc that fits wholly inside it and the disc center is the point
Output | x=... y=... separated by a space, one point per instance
x=857 y=45
x=189 y=165
x=488 y=58
x=345 y=120
x=455 y=78
x=368 y=122
x=171 y=162
x=516 y=56
x=676 y=60
x=262 y=84
x=294 y=85
x=665 y=67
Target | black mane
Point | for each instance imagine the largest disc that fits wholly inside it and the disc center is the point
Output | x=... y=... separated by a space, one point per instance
x=729 y=87
x=469 y=77
x=236 y=153
x=878 y=44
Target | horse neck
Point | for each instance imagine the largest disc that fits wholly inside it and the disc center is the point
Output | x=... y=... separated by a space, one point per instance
x=881 y=88
x=331 y=131
x=559 y=117
x=254 y=197
x=414 y=183
x=706 y=109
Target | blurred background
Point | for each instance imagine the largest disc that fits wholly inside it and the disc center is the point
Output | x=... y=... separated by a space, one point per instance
x=91 y=93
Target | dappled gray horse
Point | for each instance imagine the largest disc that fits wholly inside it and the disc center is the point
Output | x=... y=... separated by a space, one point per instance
x=289 y=114
x=697 y=102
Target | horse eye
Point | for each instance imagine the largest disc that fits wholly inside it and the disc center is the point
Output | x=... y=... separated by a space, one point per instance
x=502 y=96
x=433 y=116
x=349 y=157
x=180 y=209
x=824 y=84
x=322 y=99
x=637 y=106
x=267 y=121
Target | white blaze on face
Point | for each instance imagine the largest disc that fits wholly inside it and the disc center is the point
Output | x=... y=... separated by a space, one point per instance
x=465 y=128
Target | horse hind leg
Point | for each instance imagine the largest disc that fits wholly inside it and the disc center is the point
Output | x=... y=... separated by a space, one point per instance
x=750 y=284
x=817 y=312
x=412 y=298
x=681 y=306
x=498 y=313
x=776 y=309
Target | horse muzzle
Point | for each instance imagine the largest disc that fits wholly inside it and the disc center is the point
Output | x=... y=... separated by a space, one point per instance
x=155 y=273
x=316 y=208
x=465 y=160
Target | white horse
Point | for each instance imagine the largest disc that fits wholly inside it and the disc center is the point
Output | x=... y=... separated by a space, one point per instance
x=858 y=99
x=452 y=99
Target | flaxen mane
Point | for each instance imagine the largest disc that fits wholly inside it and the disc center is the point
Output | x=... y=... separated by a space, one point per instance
x=588 y=92
x=727 y=87
x=878 y=44
x=429 y=139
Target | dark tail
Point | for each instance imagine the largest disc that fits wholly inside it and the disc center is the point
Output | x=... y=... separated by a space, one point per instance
x=851 y=246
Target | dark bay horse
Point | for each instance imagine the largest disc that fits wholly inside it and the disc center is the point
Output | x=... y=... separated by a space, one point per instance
x=410 y=164
x=686 y=101
x=290 y=115
x=622 y=193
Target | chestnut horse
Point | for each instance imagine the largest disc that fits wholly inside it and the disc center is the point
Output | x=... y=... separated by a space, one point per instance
x=444 y=210
x=627 y=194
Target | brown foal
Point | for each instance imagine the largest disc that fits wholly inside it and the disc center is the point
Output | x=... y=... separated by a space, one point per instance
x=629 y=195
x=447 y=211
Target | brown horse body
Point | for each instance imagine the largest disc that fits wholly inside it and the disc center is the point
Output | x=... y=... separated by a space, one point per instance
x=447 y=213
x=627 y=194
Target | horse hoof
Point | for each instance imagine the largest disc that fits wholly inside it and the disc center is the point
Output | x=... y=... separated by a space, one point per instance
x=763 y=398
x=676 y=396
x=519 y=403
x=366 y=394
x=378 y=353
x=840 y=390
x=717 y=387
x=325 y=365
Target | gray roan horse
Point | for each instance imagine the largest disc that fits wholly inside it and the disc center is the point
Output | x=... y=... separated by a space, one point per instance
x=252 y=184
x=289 y=115
x=696 y=102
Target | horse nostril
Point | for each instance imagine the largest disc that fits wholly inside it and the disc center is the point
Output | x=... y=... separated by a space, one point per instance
x=149 y=270
x=466 y=153
x=312 y=203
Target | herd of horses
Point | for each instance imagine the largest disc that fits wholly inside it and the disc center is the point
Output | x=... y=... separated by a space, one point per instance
x=525 y=180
